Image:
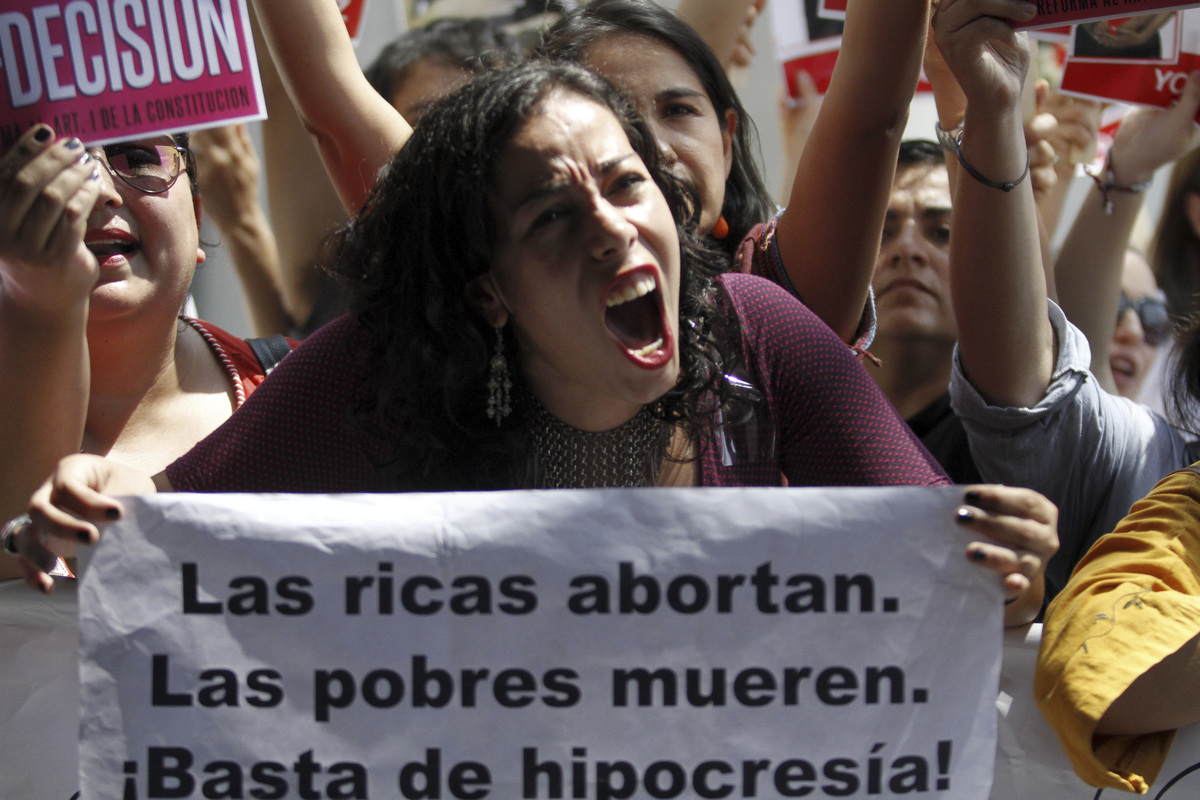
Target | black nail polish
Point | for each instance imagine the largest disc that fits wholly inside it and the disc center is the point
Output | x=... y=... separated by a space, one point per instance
x=84 y=537
x=43 y=135
x=112 y=513
x=964 y=515
x=978 y=555
x=972 y=497
x=74 y=143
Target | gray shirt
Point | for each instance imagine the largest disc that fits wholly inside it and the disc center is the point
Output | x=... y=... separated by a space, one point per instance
x=1092 y=453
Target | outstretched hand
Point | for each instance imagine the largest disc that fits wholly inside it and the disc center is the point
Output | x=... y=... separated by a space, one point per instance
x=66 y=510
x=1020 y=527
x=1152 y=137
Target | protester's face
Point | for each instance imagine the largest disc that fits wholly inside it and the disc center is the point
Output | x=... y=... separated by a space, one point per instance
x=1130 y=356
x=147 y=246
x=425 y=82
x=695 y=140
x=586 y=272
x=912 y=275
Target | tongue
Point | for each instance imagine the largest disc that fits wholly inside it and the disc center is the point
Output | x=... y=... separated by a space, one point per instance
x=634 y=323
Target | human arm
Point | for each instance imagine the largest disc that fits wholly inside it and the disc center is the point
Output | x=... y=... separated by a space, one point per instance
x=1089 y=266
x=46 y=277
x=356 y=131
x=796 y=119
x=1129 y=616
x=230 y=171
x=828 y=237
x=1138 y=30
x=997 y=279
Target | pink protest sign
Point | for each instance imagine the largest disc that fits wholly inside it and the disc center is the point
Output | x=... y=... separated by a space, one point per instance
x=105 y=70
x=1153 y=79
x=1059 y=12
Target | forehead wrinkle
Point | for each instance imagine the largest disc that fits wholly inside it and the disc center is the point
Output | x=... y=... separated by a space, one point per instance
x=560 y=183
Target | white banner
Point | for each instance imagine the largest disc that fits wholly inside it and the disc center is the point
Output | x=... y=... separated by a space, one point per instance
x=591 y=644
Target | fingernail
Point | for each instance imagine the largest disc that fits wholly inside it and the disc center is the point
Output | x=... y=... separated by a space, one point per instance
x=95 y=176
x=45 y=561
x=85 y=158
x=84 y=537
x=978 y=555
x=43 y=134
x=972 y=497
x=964 y=515
x=74 y=143
x=112 y=513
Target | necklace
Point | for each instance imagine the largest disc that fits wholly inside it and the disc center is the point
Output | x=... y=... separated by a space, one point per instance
x=564 y=457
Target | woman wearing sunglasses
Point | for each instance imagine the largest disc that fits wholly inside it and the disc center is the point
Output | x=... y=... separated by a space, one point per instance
x=97 y=251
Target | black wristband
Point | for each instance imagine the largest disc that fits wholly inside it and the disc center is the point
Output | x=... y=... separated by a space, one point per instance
x=978 y=176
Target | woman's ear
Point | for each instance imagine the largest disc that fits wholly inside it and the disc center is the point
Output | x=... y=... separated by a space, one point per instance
x=484 y=296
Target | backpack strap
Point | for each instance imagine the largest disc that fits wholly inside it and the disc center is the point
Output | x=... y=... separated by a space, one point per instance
x=269 y=350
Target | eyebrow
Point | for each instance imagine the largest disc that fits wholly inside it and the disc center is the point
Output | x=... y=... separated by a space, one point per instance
x=676 y=92
x=556 y=185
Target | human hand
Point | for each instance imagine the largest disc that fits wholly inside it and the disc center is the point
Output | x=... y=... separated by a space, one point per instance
x=1043 y=160
x=986 y=56
x=1074 y=139
x=230 y=169
x=1021 y=530
x=65 y=511
x=48 y=190
x=743 y=50
x=1151 y=137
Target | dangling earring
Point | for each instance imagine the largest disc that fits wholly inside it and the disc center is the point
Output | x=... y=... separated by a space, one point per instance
x=721 y=229
x=499 y=383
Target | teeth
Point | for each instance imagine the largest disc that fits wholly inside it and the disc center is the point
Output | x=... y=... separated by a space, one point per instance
x=640 y=288
x=650 y=348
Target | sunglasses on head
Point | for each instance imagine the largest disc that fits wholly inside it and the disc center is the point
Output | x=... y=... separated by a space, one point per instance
x=148 y=165
x=1151 y=313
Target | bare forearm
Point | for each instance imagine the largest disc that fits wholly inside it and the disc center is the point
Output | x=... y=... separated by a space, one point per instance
x=43 y=408
x=1165 y=697
x=356 y=131
x=829 y=235
x=997 y=279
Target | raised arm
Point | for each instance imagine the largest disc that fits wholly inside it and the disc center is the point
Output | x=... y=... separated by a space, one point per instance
x=829 y=234
x=1089 y=266
x=226 y=158
x=356 y=131
x=48 y=190
x=997 y=280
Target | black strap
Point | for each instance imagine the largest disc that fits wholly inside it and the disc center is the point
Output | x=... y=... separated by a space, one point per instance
x=270 y=350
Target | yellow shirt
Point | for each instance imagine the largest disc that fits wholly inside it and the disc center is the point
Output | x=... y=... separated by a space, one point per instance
x=1133 y=600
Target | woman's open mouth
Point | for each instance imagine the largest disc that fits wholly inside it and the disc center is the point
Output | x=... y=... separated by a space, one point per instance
x=636 y=318
x=111 y=248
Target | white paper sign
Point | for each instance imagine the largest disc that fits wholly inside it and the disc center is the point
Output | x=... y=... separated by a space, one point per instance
x=583 y=644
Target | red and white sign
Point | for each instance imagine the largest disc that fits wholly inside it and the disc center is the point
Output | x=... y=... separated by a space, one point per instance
x=106 y=70
x=1058 y=12
x=1141 y=81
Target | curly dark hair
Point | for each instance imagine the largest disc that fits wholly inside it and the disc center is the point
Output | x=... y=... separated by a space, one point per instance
x=747 y=202
x=428 y=230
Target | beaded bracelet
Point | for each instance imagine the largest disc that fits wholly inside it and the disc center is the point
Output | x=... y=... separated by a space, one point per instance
x=1106 y=183
x=977 y=175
